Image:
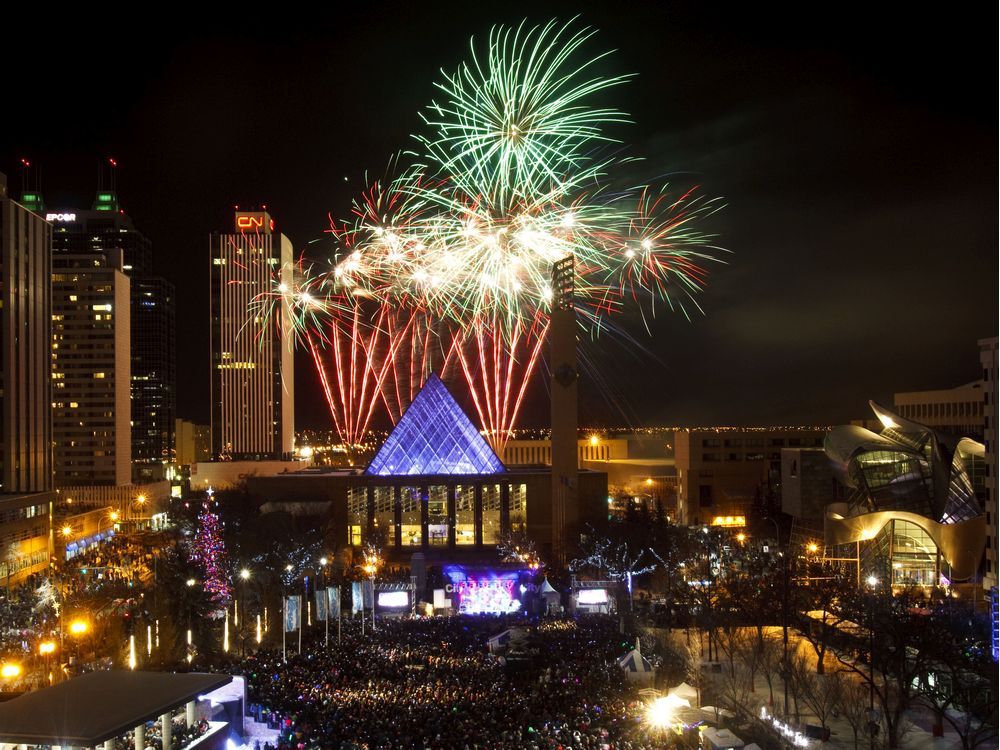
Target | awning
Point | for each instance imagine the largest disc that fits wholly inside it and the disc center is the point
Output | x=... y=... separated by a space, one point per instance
x=99 y=706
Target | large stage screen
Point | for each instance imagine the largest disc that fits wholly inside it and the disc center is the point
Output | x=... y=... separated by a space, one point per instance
x=592 y=596
x=484 y=591
x=393 y=599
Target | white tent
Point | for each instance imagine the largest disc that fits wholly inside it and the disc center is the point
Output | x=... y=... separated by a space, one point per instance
x=684 y=691
x=550 y=596
x=637 y=667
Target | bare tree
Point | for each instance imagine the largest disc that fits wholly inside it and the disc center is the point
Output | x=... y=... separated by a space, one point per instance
x=771 y=657
x=733 y=687
x=898 y=657
x=821 y=693
x=853 y=706
x=516 y=546
x=961 y=686
x=621 y=561
x=821 y=601
x=692 y=666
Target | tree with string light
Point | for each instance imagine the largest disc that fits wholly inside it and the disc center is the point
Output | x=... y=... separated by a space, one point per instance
x=208 y=551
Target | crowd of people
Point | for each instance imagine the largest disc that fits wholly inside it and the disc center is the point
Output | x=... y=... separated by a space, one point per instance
x=431 y=684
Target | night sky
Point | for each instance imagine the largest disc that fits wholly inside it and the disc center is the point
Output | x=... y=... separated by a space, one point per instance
x=856 y=152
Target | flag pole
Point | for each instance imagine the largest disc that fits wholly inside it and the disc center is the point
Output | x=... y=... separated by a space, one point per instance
x=284 y=623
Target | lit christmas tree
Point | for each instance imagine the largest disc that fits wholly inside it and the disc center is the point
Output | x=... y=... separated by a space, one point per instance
x=209 y=551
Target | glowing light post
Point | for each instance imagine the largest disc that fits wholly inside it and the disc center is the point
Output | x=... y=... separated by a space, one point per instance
x=661 y=713
x=10 y=671
x=190 y=655
x=872 y=582
x=46 y=649
x=370 y=566
x=244 y=577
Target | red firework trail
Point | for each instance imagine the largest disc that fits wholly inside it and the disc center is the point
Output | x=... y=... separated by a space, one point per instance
x=365 y=360
x=350 y=376
x=498 y=368
x=416 y=351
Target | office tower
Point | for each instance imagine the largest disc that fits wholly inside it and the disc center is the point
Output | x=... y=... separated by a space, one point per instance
x=253 y=380
x=565 y=462
x=154 y=376
x=25 y=391
x=988 y=359
x=106 y=227
x=25 y=319
x=91 y=370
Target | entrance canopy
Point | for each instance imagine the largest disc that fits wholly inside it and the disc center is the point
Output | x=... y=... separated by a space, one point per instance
x=99 y=706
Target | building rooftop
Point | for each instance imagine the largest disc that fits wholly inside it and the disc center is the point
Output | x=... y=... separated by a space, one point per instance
x=99 y=706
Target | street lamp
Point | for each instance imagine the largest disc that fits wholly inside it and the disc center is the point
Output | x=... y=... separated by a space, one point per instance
x=10 y=671
x=79 y=627
x=370 y=567
x=872 y=582
x=45 y=650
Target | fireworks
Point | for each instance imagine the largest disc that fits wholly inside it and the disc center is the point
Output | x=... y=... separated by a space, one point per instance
x=514 y=171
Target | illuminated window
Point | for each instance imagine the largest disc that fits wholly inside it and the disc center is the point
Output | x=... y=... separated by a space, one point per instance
x=357 y=514
x=437 y=515
x=385 y=515
x=410 y=517
x=491 y=513
x=517 y=507
x=465 y=514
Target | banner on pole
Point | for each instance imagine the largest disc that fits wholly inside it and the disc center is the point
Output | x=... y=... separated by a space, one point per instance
x=333 y=602
x=293 y=612
x=356 y=603
x=369 y=591
x=320 y=605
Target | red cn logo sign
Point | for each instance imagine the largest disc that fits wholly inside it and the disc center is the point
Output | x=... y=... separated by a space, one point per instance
x=249 y=221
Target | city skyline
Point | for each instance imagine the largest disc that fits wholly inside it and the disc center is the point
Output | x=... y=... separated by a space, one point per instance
x=843 y=274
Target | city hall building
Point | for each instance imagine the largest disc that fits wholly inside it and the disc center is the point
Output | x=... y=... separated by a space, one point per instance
x=436 y=487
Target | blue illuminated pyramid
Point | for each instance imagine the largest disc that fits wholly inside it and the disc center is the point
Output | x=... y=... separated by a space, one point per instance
x=434 y=436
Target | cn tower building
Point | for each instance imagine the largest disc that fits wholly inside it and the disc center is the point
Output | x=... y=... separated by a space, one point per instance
x=253 y=379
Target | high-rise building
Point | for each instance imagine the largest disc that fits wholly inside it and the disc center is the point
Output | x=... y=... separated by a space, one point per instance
x=565 y=464
x=154 y=376
x=253 y=378
x=25 y=319
x=723 y=472
x=90 y=370
x=194 y=443
x=954 y=411
x=988 y=358
x=105 y=228
x=25 y=390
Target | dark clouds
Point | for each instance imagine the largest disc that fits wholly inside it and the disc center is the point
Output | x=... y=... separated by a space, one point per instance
x=857 y=156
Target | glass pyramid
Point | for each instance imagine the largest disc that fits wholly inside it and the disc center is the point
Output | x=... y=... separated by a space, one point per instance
x=434 y=436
